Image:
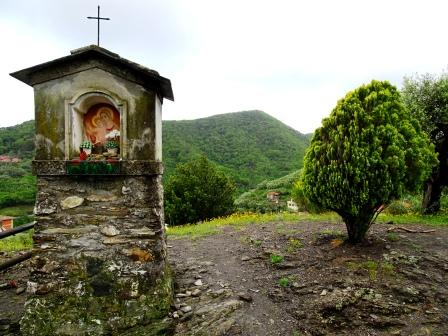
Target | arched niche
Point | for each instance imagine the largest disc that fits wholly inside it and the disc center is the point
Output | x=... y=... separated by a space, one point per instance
x=75 y=119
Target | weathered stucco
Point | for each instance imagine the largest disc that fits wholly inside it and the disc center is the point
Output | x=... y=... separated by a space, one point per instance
x=52 y=104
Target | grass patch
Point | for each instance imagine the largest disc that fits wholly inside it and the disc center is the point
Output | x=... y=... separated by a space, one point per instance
x=276 y=259
x=284 y=282
x=432 y=220
x=17 y=211
x=193 y=231
x=392 y=237
x=294 y=244
x=241 y=219
x=372 y=267
x=19 y=242
x=257 y=242
x=333 y=233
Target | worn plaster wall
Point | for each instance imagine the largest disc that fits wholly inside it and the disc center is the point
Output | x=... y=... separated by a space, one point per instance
x=52 y=98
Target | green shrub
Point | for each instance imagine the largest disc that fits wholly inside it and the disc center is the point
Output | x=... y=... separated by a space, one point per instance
x=197 y=191
x=368 y=152
x=398 y=207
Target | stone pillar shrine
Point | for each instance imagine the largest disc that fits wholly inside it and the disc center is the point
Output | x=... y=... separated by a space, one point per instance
x=100 y=264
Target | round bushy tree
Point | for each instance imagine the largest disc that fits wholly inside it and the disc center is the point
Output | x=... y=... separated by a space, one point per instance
x=367 y=153
x=196 y=191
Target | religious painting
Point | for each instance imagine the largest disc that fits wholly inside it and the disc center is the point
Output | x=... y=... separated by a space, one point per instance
x=99 y=121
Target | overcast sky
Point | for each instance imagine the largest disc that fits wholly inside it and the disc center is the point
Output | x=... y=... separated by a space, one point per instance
x=292 y=59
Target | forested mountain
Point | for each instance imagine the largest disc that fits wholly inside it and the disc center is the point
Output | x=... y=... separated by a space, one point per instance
x=17 y=185
x=18 y=141
x=251 y=146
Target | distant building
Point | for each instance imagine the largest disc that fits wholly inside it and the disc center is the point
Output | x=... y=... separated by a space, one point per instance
x=7 y=158
x=292 y=206
x=273 y=196
x=7 y=223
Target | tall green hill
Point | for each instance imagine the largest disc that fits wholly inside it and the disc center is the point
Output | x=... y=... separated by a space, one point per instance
x=17 y=185
x=18 y=141
x=251 y=146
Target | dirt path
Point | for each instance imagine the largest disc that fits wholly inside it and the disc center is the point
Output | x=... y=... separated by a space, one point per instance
x=395 y=285
x=231 y=277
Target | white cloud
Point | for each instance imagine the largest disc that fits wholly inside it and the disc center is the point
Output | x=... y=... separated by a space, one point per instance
x=293 y=59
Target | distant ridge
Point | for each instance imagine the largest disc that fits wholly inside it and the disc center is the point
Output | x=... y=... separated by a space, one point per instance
x=250 y=146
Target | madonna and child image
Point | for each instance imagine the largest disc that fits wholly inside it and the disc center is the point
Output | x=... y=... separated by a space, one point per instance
x=100 y=120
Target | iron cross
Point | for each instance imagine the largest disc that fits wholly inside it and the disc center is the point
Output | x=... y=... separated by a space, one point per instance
x=98 y=18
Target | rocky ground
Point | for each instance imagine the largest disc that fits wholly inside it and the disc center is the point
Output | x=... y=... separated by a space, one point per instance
x=298 y=279
x=233 y=283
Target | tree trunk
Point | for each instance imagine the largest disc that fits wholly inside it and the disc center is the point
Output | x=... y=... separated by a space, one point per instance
x=439 y=178
x=431 y=196
x=357 y=226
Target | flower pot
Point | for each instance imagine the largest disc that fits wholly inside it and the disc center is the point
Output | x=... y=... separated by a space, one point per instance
x=112 y=151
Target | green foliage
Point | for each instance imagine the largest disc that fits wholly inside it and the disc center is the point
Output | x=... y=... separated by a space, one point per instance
x=86 y=144
x=392 y=237
x=112 y=144
x=366 y=154
x=93 y=168
x=15 y=191
x=241 y=219
x=284 y=282
x=303 y=203
x=255 y=200
x=17 y=185
x=19 y=242
x=197 y=191
x=251 y=145
x=373 y=268
x=276 y=259
x=398 y=207
x=426 y=98
x=18 y=141
x=294 y=244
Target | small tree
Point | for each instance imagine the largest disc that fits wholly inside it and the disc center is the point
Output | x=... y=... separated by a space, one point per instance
x=367 y=152
x=426 y=98
x=196 y=191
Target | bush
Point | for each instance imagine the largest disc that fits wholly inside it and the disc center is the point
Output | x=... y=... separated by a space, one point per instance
x=197 y=191
x=366 y=154
x=398 y=207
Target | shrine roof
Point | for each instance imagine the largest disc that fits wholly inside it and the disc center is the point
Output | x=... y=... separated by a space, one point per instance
x=95 y=57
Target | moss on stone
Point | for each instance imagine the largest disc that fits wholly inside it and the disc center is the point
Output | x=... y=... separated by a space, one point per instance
x=85 y=313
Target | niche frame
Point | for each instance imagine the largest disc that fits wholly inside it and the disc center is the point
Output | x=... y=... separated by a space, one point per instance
x=76 y=108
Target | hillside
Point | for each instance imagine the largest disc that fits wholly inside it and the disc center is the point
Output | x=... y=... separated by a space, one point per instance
x=18 y=141
x=251 y=146
x=255 y=199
